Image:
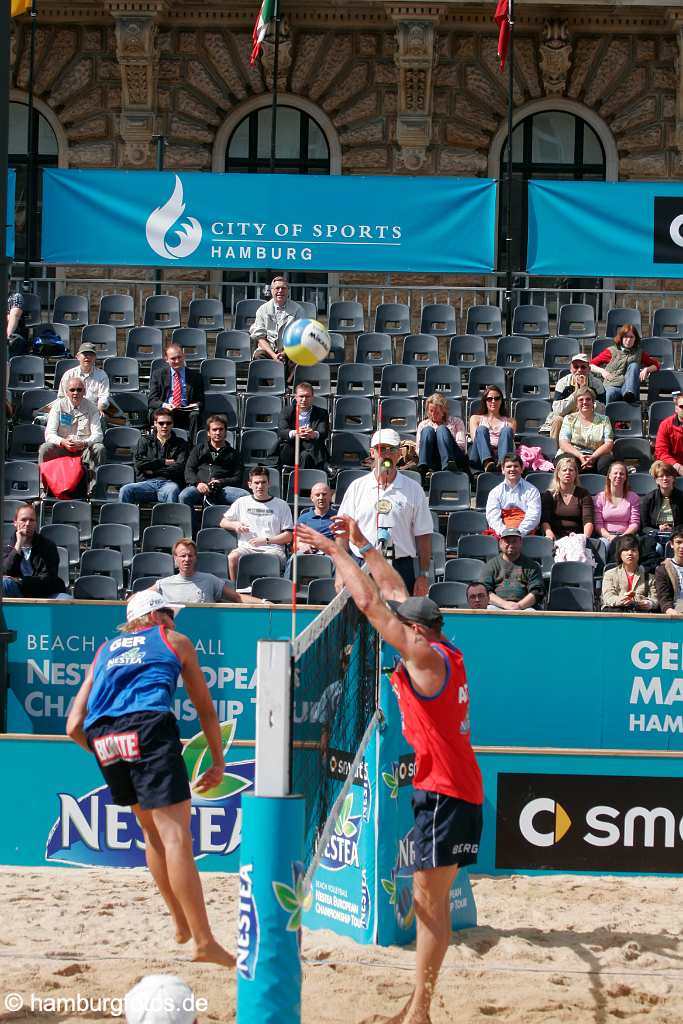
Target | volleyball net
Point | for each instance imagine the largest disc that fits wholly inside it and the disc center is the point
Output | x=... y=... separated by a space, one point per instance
x=334 y=713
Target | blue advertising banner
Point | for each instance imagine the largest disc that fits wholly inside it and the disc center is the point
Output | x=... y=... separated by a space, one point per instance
x=625 y=692
x=226 y=221
x=605 y=229
x=344 y=888
x=56 y=643
x=66 y=815
x=11 y=199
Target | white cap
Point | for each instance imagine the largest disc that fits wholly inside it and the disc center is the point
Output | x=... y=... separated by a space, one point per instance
x=580 y=357
x=147 y=601
x=160 y=999
x=390 y=438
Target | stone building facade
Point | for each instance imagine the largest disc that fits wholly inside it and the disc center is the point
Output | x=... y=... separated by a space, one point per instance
x=397 y=88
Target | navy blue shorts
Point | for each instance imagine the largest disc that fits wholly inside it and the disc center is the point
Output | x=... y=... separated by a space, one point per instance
x=141 y=758
x=447 y=830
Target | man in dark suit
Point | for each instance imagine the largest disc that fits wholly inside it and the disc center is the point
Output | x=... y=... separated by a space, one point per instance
x=30 y=563
x=314 y=426
x=178 y=389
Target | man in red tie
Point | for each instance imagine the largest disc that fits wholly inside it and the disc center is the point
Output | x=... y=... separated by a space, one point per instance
x=178 y=389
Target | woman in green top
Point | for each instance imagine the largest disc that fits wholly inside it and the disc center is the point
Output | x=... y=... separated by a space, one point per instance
x=587 y=435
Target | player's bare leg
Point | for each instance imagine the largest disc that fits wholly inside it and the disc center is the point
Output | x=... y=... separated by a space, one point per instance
x=156 y=862
x=431 y=890
x=173 y=826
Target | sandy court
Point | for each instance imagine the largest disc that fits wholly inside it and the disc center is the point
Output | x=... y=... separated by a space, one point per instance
x=547 y=949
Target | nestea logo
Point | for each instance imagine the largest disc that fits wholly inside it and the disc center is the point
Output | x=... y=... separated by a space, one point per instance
x=160 y=224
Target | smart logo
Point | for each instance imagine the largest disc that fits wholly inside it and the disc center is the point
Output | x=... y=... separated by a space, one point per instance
x=560 y=822
x=160 y=225
x=668 y=229
x=93 y=831
x=589 y=823
x=248 y=934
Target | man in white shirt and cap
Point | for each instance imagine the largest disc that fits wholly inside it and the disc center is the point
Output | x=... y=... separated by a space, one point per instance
x=392 y=511
x=95 y=380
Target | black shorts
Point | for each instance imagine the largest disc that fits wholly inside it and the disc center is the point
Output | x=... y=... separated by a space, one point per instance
x=447 y=830
x=141 y=758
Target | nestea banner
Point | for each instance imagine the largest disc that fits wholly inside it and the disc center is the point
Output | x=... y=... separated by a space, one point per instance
x=227 y=221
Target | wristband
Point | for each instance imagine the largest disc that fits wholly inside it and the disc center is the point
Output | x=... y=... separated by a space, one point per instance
x=366 y=547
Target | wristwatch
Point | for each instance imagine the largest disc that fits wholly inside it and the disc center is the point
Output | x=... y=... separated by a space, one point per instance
x=366 y=547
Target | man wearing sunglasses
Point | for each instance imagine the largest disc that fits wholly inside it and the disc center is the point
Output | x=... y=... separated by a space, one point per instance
x=73 y=428
x=123 y=714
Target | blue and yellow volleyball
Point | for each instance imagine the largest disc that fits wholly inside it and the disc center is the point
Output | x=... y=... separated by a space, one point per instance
x=306 y=342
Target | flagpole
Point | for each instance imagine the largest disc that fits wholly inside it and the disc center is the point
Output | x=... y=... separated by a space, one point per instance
x=5 y=265
x=273 y=117
x=508 y=229
x=31 y=152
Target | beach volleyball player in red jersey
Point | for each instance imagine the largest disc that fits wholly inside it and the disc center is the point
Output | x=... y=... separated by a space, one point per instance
x=431 y=686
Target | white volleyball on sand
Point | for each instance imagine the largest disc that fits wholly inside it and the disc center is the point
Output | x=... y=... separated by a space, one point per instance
x=306 y=342
x=160 y=999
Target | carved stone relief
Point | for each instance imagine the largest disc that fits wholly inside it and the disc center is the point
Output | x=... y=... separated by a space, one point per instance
x=415 y=59
x=555 y=56
x=137 y=51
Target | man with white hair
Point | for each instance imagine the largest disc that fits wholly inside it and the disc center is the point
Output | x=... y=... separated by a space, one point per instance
x=272 y=319
x=392 y=510
x=122 y=713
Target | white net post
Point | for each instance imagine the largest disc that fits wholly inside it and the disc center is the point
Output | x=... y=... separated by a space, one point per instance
x=273 y=718
x=268 y=959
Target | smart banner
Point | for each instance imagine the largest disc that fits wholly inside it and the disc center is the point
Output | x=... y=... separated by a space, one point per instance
x=56 y=642
x=292 y=222
x=605 y=229
x=11 y=196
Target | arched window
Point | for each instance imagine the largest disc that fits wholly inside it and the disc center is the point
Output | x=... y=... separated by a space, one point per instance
x=300 y=145
x=552 y=144
x=47 y=156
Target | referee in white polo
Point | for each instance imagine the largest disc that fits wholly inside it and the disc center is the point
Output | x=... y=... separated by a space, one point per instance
x=393 y=508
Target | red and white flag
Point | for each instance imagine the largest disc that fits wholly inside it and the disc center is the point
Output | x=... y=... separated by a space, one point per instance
x=503 y=19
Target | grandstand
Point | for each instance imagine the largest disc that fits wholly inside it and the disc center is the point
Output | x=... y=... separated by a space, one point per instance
x=387 y=357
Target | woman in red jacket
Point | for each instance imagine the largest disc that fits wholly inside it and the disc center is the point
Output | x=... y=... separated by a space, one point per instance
x=624 y=365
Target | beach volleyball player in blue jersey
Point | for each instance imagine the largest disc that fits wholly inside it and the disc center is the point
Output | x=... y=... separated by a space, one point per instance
x=122 y=713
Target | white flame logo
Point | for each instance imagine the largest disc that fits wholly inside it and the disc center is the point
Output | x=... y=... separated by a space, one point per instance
x=160 y=222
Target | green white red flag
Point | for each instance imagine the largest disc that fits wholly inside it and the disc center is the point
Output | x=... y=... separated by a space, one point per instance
x=265 y=19
x=503 y=19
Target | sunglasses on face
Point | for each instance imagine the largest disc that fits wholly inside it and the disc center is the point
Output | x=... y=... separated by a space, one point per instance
x=76 y=391
x=494 y=398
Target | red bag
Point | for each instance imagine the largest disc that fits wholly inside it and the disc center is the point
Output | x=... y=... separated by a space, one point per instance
x=62 y=476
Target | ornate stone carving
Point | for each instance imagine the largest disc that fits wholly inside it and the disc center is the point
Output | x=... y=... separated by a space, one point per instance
x=224 y=63
x=676 y=19
x=415 y=59
x=137 y=51
x=556 y=56
x=284 y=55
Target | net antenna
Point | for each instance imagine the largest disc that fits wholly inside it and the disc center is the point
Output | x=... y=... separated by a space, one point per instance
x=295 y=539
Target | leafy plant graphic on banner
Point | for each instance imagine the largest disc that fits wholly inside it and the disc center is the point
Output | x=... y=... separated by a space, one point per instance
x=293 y=900
x=197 y=757
x=343 y=825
